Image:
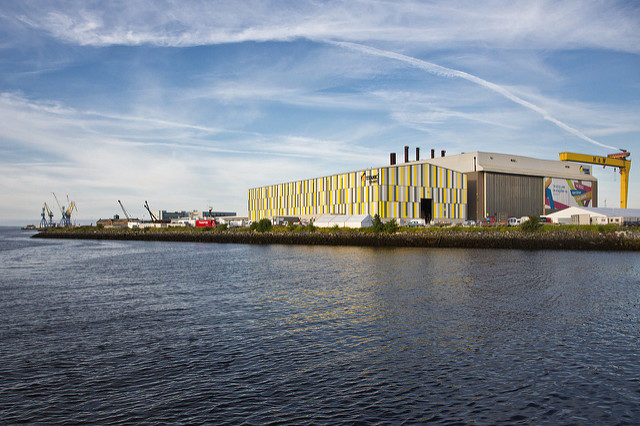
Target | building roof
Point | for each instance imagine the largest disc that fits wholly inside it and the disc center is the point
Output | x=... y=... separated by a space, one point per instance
x=513 y=164
x=595 y=211
x=467 y=162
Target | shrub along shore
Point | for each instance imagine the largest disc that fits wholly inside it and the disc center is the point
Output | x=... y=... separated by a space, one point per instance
x=542 y=238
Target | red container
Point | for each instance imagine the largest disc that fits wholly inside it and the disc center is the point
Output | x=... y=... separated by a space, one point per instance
x=202 y=223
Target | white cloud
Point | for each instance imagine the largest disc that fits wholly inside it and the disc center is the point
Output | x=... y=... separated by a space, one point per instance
x=444 y=24
x=98 y=158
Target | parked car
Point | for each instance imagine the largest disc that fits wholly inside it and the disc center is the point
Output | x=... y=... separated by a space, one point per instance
x=514 y=221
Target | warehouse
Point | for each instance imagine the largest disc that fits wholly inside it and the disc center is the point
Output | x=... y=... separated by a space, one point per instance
x=504 y=185
x=470 y=185
x=409 y=190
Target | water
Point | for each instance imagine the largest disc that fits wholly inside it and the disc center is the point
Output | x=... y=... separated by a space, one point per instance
x=100 y=331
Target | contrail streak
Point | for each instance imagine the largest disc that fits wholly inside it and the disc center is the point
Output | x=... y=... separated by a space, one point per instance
x=452 y=73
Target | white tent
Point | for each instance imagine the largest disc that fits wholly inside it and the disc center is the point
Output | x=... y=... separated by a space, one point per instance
x=358 y=221
x=325 y=221
x=596 y=215
x=344 y=221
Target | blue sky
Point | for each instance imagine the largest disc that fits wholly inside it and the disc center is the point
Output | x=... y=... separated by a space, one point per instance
x=187 y=104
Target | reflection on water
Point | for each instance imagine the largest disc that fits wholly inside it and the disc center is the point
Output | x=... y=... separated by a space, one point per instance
x=141 y=331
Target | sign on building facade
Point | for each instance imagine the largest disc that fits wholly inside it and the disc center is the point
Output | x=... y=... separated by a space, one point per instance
x=563 y=193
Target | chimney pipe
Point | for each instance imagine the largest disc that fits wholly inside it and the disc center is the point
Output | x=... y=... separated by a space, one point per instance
x=433 y=153
x=417 y=154
x=392 y=158
x=442 y=153
x=406 y=154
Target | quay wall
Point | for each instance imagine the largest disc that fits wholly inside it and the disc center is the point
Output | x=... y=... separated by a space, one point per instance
x=551 y=240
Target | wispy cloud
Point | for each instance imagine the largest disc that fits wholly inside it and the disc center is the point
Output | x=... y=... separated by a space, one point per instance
x=500 y=24
x=596 y=118
x=452 y=73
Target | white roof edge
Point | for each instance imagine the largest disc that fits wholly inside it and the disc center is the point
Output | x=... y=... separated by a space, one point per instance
x=478 y=161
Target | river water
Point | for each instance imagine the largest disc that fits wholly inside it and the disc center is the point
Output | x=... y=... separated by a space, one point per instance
x=123 y=331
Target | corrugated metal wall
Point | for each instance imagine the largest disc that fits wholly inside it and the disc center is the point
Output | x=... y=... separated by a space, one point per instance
x=514 y=195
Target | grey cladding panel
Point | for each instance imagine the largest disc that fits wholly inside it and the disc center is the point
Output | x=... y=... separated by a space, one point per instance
x=514 y=195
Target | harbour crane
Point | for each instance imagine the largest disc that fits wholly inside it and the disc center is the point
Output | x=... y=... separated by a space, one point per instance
x=126 y=214
x=153 y=217
x=66 y=211
x=618 y=159
x=66 y=214
x=46 y=211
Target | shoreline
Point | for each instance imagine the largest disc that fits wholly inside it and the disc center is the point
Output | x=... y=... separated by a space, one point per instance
x=560 y=239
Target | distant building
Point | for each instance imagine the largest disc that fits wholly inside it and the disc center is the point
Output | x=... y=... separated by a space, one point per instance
x=213 y=214
x=194 y=214
x=115 y=222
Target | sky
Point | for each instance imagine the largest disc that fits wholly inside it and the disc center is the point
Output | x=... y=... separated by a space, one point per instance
x=188 y=104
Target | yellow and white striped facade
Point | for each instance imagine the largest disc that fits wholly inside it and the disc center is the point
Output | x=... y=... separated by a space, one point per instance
x=391 y=191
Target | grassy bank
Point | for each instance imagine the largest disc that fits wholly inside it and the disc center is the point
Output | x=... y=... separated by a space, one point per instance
x=546 y=237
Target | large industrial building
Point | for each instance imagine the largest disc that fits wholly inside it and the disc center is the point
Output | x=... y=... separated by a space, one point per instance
x=512 y=185
x=469 y=185
x=404 y=191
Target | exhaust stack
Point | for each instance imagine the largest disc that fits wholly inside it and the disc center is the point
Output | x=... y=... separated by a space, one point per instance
x=406 y=154
x=417 y=154
x=442 y=153
x=392 y=159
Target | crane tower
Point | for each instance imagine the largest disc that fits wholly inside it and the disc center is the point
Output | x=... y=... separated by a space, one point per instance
x=619 y=160
x=46 y=211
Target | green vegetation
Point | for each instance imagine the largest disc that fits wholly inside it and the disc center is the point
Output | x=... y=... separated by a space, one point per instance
x=391 y=227
x=263 y=225
x=531 y=225
x=378 y=226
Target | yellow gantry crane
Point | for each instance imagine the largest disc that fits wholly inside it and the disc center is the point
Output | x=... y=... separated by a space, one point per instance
x=619 y=160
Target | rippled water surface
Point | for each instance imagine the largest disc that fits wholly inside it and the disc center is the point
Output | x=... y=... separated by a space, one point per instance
x=143 y=331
